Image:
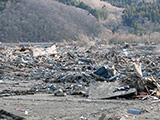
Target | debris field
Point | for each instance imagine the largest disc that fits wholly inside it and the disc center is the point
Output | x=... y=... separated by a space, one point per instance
x=62 y=71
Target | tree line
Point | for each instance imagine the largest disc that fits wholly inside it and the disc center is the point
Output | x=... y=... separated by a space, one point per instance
x=99 y=14
x=121 y=3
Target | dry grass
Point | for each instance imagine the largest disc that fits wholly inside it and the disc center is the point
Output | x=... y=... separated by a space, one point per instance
x=119 y=38
x=84 y=40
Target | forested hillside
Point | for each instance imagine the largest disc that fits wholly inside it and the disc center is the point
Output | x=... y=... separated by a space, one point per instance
x=143 y=16
x=99 y=14
x=45 y=20
x=58 y=20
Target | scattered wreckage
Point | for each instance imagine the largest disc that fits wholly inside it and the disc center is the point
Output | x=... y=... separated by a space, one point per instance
x=97 y=72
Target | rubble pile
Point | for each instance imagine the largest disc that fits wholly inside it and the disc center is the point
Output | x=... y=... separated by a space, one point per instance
x=97 y=72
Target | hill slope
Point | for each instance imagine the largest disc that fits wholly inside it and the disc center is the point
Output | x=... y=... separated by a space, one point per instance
x=45 y=20
x=141 y=16
x=114 y=18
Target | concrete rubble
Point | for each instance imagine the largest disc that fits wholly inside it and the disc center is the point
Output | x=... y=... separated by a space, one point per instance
x=90 y=71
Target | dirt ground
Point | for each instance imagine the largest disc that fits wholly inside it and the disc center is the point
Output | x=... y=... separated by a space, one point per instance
x=50 y=107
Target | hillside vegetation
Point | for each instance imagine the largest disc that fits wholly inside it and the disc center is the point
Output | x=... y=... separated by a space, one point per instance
x=142 y=16
x=99 y=14
x=65 y=20
x=114 y=16
x=45 y=20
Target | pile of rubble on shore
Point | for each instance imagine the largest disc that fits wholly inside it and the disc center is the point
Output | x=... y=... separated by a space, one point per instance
x=98 y=72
